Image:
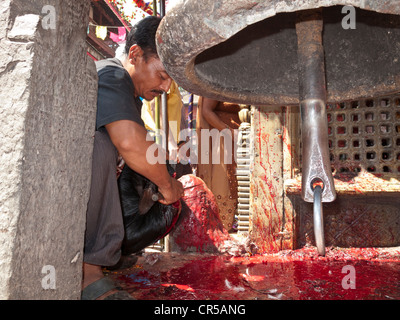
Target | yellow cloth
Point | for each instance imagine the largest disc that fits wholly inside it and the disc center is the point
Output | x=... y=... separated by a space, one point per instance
x=174 y=109
x=220 y=177
x=101 y=32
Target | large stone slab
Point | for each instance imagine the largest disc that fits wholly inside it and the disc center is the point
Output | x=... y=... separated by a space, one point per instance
x=246 y=51
x=47 y=117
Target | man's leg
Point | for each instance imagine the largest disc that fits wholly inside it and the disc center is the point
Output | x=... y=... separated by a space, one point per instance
x=104 y=224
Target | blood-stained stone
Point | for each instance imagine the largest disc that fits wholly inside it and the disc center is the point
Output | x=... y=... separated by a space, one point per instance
x=200 y=228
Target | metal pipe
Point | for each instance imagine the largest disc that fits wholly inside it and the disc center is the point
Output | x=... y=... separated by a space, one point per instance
x=155 y=13
x=165 y=123
x=190 y=112
x=164 y=113
x=164 y=101
x=162 y=8
x=312 y=89
x=319 y=221
x=316 y=166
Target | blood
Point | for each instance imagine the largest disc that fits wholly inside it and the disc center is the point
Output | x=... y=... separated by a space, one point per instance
x=269 y=222
x=200 y=228
x=299 y=274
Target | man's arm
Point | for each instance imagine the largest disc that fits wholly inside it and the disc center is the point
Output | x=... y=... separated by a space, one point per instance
x=208 y=107
x=130 y=140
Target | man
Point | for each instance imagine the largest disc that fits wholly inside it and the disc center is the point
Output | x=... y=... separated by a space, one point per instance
x=120 y=130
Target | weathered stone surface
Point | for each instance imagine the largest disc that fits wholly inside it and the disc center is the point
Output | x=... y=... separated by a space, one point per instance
x=246 y=51
x=47 y=116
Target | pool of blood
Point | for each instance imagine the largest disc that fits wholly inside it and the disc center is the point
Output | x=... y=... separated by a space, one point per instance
x=293 y=274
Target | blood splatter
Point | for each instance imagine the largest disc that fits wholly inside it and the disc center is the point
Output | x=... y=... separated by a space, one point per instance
x=200 y=228
x=293 y=274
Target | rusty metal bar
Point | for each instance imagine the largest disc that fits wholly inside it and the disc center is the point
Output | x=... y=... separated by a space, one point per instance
x=312 y=88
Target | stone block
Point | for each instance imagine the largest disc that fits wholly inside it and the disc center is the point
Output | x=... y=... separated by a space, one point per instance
x=48 y=98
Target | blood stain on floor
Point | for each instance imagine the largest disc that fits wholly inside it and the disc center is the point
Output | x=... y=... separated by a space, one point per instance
x=343 y=274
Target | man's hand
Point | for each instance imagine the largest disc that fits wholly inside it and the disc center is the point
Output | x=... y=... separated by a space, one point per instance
x=130 y=140
x=171 y=192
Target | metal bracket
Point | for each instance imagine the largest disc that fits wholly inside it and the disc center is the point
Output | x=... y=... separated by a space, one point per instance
x=316 y=163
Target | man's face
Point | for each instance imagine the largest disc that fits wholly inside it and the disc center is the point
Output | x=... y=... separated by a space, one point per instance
x=150 y=78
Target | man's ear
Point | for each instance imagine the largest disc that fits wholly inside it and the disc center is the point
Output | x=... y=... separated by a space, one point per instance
x=134 y=52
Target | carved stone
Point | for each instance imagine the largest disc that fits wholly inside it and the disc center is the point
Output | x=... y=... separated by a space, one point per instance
x=47 y=117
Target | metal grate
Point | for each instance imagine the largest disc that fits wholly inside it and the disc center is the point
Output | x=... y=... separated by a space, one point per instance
x=243 y=178
x=365 y=135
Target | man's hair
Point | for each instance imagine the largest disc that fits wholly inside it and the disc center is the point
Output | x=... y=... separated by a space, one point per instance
x=143 y=34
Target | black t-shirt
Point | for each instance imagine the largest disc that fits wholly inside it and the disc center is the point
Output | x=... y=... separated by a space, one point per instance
x=115 y=97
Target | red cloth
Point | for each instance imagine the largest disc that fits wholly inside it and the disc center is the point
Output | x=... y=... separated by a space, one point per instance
x=120 y=37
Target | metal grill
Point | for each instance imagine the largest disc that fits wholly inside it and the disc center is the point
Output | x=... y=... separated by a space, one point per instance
x=365 y=135
x=244 y=152
x=243 y=177
x=364 y=147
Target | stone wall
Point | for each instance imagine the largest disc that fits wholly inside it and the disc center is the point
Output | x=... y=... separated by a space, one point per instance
x=48 y=90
